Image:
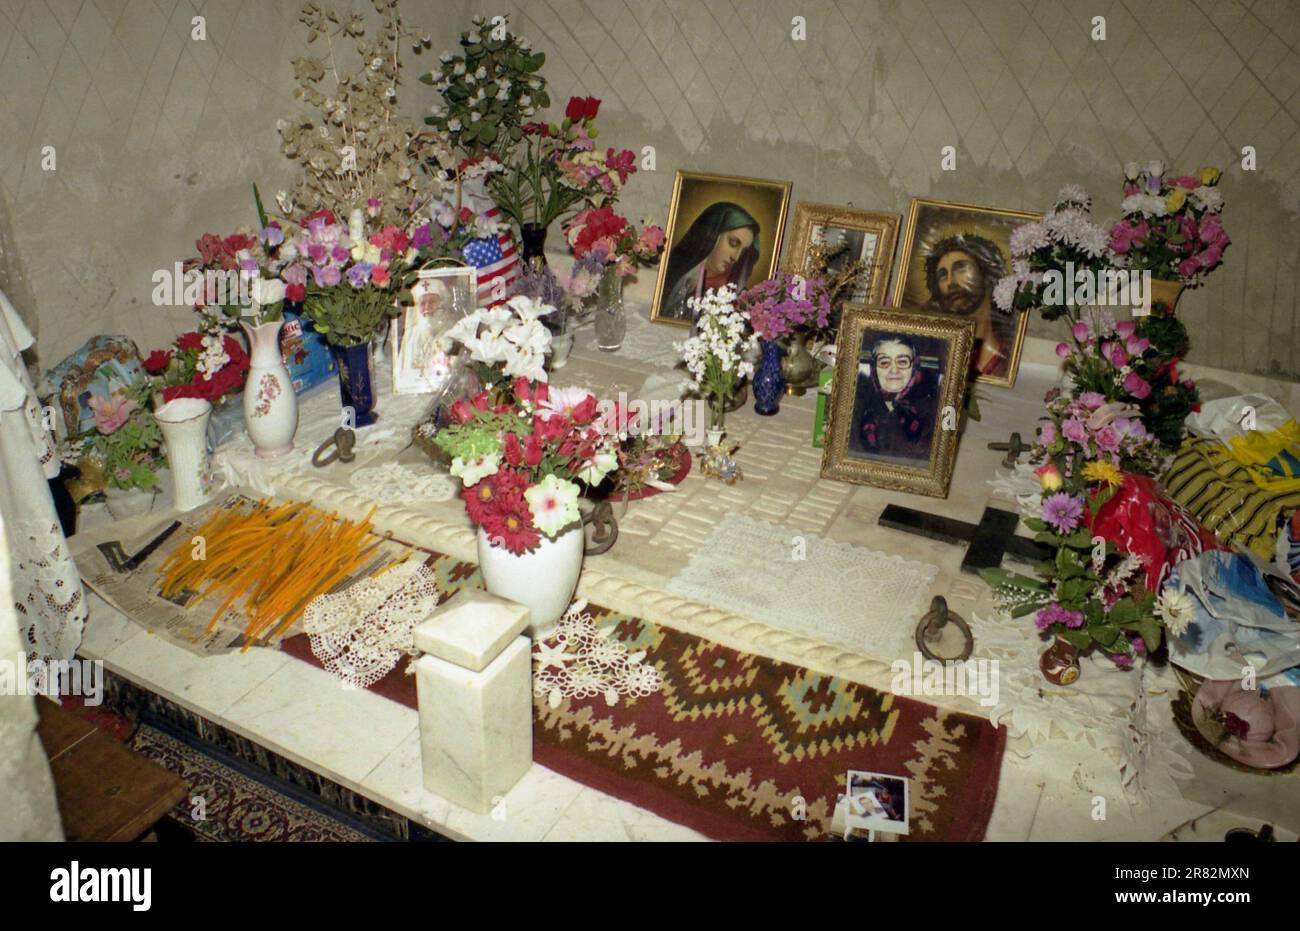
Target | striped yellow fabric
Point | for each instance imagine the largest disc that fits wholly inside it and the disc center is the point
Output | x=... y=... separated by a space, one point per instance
x=1271 y=456
x=1219 y=492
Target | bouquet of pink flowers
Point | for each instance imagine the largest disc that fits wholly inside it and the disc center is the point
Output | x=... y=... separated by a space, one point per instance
x=1172 y=226
x=521 y=463
x=560 y=168
x=1092 y=594
x=785 y=303
x=606 y=238
x=350 y=279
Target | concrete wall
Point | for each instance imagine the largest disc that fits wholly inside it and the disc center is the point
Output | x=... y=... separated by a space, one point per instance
x=159 y=137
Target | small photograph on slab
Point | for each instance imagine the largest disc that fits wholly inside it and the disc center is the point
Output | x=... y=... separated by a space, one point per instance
x=876 y=802
x=896 y=400
x=953 y=254
x=721 y=230
x=421 y=358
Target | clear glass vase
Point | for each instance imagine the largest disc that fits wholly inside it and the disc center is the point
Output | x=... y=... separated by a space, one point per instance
x=611 y=319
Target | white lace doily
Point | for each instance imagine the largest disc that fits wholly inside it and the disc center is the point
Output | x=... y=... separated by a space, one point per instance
x=580 y=661
x=837 y=592
x=394 y=483
x=360 y=633
x=1102 y=726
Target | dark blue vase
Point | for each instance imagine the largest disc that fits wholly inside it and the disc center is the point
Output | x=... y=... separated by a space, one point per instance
x=357 y=382
x=769 y=383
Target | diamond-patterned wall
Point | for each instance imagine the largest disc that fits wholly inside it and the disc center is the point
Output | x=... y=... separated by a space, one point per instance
x=159 y=137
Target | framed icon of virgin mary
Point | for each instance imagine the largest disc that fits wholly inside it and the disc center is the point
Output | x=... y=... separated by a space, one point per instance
x=721 y=230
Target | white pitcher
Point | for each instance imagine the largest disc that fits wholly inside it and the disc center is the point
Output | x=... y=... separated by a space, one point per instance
x=184 y=424
x=270 y=407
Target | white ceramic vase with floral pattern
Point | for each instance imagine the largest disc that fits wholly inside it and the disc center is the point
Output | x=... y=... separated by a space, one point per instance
x=184 y=424
x=270 y=407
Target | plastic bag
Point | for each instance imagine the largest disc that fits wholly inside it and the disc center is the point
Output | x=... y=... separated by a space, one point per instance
x=1142 y=520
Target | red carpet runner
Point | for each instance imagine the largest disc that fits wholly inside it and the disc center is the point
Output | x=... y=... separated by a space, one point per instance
x=733 y=740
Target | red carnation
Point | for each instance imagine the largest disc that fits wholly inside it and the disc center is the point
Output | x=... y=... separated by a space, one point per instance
x=157 y=361
x=533 y=449
x=295 y=292
x=623 y=162
x=512 y=452
x=322 y=214
x=237 y=241
x=190 y=341
x=586 y=410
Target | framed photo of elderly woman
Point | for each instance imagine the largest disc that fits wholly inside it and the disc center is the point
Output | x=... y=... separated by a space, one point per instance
x=953 y=255
x=897 y=399
x=721 y=230
x=844 y=237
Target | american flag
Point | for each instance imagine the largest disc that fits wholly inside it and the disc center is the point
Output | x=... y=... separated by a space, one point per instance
x=497 y=264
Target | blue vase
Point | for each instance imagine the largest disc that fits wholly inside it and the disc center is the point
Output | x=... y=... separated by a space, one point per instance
x=356 y=382
x=769 y=383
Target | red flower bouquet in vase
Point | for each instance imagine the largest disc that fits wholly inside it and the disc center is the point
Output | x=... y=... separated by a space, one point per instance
x=521 y=465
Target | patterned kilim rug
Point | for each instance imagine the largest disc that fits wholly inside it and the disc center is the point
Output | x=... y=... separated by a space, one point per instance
x=733 y=741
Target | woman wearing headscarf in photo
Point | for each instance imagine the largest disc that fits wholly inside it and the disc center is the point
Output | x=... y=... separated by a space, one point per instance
x=720 y=248
x=895 y=403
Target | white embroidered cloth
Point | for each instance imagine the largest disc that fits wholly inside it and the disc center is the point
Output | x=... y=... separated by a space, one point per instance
x=1111 y=726
x=46 y=586
x=580 y=661
x=837 y=592
x=360 y=633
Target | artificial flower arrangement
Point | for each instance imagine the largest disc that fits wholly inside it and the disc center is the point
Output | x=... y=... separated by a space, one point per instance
x=786 y=304
x=1066 y=236
x=522 y=462
x=209 y=365
x=359 y=149
x=351 y=279
x=1172 y=226
x=125 y=444
x=256 y=259
x=718 y=356
x=650 y=458
x=605 y=239
x=487 y=90
x=1091 y=594
x=1145 y=353
x=558 y=169
x=504 y=344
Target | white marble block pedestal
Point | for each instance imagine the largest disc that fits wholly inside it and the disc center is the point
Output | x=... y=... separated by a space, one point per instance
x=475 y=697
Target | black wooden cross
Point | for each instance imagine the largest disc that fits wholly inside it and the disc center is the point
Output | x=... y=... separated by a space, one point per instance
x=991 y=540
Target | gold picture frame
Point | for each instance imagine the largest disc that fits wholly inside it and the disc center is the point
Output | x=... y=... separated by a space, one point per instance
x=904 y=440
x=986 y=231
x=704 y=208
x=880 y=238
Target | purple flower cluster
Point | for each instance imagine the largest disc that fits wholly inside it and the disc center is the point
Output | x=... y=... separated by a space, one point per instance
x=785 y=302
x=1056 y=614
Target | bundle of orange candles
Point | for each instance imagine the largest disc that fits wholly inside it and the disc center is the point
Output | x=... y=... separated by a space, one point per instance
x=275 y=558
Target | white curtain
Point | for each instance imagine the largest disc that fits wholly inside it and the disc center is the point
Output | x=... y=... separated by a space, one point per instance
x=47 y=594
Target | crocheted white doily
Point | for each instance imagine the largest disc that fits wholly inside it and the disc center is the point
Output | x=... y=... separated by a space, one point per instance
x=580 y=661
x=394 y=483
x=360 y=633
x=837 y=592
